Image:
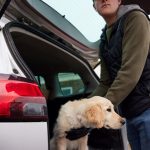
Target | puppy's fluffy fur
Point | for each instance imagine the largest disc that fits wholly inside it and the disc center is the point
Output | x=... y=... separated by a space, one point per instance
x=95 y=112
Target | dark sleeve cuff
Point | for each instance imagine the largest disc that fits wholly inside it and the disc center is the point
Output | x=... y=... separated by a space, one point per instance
x=74 y=134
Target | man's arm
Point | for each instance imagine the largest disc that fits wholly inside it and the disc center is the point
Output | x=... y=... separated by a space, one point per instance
x=102 y=88
x=135 y=47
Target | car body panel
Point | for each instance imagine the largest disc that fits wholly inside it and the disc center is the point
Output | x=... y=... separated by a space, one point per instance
x=29 y=136
x=7 y=60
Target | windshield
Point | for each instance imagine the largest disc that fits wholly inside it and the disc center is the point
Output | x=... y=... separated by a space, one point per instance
x=81 y=14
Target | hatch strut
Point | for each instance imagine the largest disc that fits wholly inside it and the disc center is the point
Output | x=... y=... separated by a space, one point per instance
x=4 y=7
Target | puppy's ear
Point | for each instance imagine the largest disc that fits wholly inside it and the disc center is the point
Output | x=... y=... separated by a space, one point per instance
x=95 y=116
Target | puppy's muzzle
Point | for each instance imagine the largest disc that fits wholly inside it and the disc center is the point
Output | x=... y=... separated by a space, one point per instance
x=123 y=121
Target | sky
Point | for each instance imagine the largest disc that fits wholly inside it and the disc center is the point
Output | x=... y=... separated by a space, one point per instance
x=82 y=15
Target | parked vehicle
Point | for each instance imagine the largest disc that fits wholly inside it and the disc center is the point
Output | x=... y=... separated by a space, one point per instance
x=44 y=62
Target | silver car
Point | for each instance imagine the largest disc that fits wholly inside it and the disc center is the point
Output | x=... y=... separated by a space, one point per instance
x=44 y=62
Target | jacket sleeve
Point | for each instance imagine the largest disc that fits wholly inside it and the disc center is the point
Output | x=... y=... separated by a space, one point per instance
x=102 y=88
x=135 y=47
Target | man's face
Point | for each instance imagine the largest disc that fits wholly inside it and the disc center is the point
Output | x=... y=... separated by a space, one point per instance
x=106 y=8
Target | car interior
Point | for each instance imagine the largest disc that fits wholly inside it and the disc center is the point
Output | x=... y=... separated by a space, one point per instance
x=60 y=72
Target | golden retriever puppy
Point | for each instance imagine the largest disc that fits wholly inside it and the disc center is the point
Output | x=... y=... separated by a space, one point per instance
x=95 y=112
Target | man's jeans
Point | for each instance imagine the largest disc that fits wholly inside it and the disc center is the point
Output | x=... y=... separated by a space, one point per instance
x=138 y=131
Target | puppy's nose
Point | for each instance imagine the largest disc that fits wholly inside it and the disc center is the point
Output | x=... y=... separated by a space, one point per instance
x=123 y=121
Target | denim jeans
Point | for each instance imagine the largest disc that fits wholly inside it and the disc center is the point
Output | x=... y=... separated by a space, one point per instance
x=138 y=131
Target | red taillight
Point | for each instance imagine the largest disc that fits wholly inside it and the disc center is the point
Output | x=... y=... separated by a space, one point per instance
x=22 y=101
x=23 y=89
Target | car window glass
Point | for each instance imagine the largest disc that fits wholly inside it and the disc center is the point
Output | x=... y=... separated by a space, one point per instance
x=70 y=84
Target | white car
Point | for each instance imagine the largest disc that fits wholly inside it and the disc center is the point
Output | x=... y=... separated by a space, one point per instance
x=44 y=62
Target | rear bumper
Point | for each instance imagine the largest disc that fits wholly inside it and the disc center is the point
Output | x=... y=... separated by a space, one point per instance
x=24 y=136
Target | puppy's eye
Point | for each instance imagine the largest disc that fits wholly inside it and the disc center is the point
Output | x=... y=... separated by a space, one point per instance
x=109 y=109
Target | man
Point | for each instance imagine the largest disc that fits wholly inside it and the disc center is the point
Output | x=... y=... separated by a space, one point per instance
x=125 y=66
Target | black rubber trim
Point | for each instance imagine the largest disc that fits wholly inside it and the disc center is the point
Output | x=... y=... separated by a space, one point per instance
x=4 y=7
x=13 y=50
x=15 y=77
